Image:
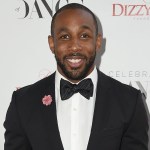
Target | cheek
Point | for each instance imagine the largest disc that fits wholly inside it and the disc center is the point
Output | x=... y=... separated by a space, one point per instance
x=89 y=48
x=60 y=50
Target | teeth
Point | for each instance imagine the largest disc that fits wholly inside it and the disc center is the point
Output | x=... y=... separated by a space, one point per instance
x=74 y=60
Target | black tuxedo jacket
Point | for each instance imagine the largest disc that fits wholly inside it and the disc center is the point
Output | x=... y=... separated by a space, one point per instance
x=119 y=121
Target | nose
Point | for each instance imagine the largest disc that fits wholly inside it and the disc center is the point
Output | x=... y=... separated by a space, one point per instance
x=75 y=45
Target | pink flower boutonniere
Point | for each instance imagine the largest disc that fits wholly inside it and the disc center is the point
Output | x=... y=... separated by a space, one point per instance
x=47 y=100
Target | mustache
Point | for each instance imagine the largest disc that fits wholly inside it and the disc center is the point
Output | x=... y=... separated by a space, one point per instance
x=75 y=54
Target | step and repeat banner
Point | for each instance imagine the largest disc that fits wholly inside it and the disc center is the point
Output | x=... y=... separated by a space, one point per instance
x=25 y=56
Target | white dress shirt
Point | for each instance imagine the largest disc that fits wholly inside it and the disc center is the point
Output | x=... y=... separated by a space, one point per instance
x=75 y=115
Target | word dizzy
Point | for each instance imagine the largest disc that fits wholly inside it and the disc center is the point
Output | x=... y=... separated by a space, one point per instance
x=130 y=10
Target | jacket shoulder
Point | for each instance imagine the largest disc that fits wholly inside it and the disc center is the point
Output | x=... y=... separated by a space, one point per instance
x=116 y=85
x=37 y=86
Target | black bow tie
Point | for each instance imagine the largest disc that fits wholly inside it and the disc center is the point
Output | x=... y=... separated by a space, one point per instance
x=67 y=89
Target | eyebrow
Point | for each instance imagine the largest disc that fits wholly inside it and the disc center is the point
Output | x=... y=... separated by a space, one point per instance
x=65 y=29
x=86 y=27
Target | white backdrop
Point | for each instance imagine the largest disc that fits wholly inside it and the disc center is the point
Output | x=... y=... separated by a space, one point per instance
x=25 y=56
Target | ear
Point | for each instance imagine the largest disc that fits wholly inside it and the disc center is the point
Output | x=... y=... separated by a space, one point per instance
x=98 y=42
x=51 y=43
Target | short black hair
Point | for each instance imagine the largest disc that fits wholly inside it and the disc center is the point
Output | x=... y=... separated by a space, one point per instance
x=73 y=6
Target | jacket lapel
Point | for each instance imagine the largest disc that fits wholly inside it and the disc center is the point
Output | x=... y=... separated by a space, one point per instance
x=49 y=118
x=101 y=112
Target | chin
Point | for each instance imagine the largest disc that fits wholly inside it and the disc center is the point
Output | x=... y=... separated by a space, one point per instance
x=75 y=74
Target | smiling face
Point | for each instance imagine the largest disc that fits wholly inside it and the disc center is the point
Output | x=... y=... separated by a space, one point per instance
x=74 y=43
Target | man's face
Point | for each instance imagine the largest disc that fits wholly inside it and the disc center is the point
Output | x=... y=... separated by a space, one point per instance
x=74 y=43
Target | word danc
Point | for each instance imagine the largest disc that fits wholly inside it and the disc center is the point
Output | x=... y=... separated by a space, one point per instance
x=35 y=8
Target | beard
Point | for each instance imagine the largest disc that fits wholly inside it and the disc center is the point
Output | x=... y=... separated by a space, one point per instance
x=74 y=74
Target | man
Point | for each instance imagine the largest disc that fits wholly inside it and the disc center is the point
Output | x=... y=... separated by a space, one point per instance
x=77 y=107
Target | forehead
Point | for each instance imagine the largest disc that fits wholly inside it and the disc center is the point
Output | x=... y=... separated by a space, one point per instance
x=74 y=17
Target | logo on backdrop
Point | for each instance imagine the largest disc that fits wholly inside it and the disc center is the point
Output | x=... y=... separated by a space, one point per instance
x=142 y=79
x=146 y=1
x=141 y=9
x=38 y=8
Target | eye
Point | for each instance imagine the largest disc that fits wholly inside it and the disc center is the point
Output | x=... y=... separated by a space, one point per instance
x=84 y=36
x=64 y=37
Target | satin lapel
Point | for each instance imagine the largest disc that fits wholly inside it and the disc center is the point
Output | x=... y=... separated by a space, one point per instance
x=101 y=112
x=49 y=118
